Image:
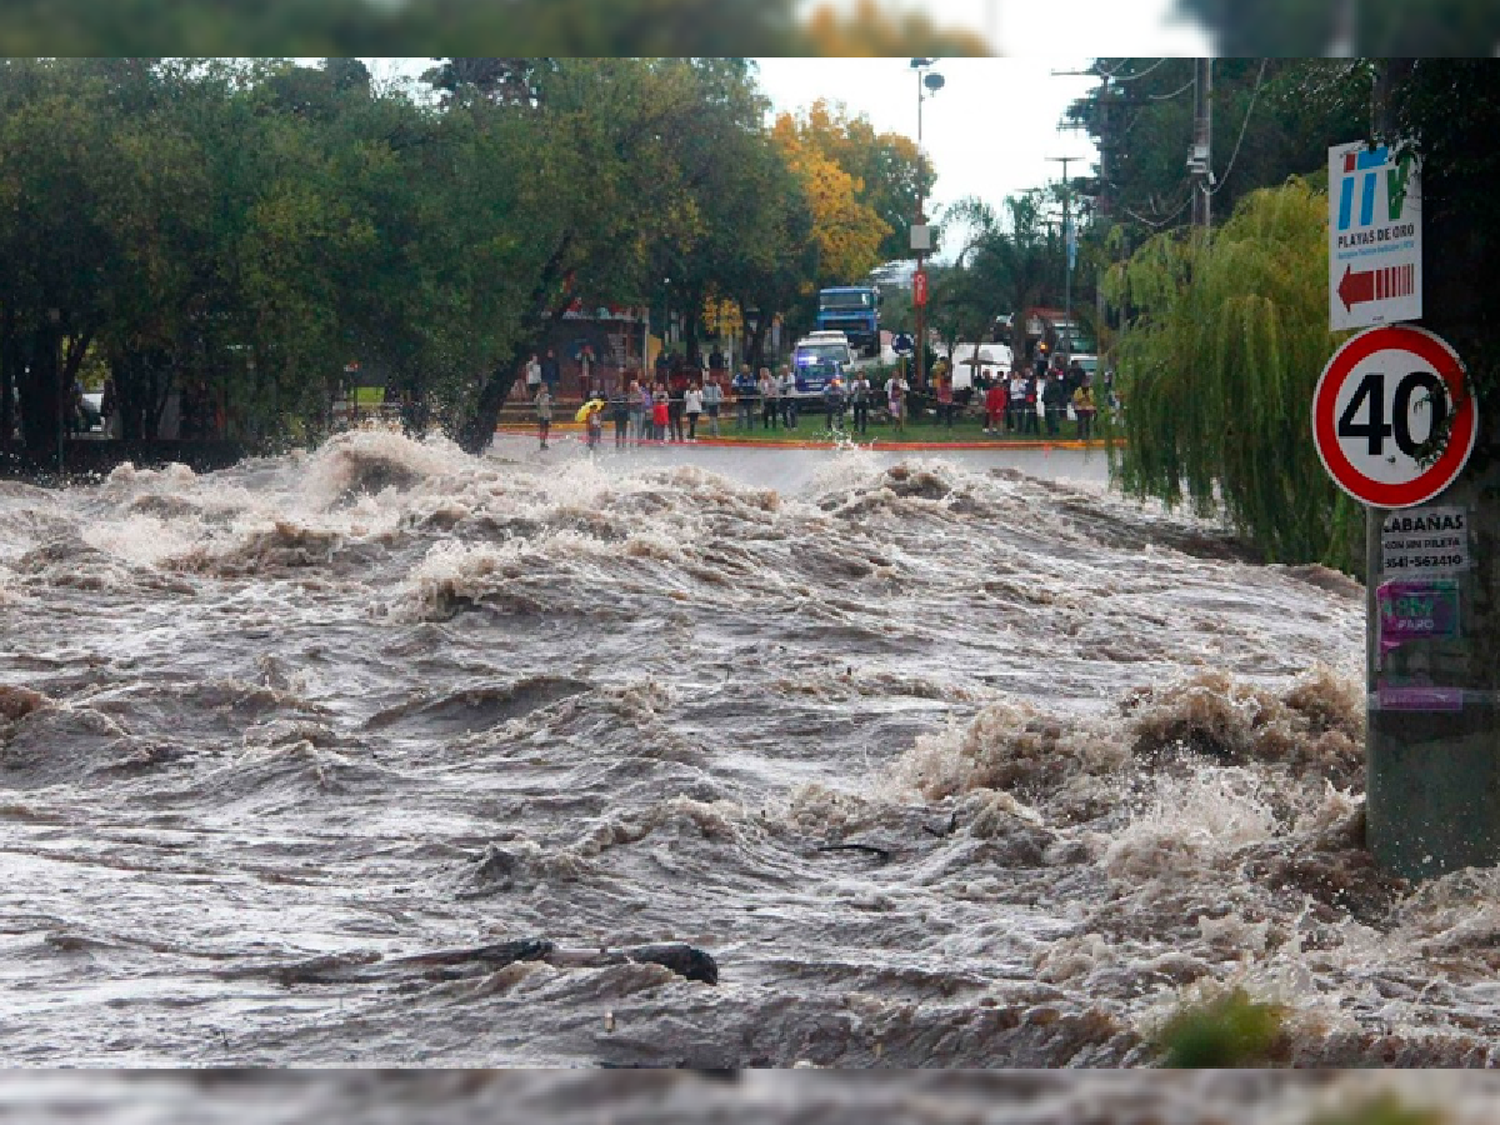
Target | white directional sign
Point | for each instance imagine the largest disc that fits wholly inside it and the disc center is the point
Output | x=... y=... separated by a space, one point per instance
x=1374 y=237
x=1381 y=398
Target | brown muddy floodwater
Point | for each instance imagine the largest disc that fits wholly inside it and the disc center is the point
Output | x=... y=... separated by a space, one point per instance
x=942 y=763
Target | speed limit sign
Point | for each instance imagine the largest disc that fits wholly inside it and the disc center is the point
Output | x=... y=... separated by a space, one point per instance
x=1380 y=399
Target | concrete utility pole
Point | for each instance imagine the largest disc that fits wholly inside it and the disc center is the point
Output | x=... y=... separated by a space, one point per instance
x=1433 y=774
x=1200 y=158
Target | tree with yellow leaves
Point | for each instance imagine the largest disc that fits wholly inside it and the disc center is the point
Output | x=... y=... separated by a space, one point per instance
x=888 y=175
x=873 y=30
x=848 y=233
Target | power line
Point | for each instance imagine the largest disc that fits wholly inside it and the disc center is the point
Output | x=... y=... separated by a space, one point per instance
x=1158 y=225
x=1186 y=86
x=1243 y=125
x=1116 y=76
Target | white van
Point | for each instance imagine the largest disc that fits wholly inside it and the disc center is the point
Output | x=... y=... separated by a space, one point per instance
x=818 y=359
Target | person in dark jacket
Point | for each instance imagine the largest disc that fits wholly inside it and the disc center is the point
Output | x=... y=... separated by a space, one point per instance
x=746 y=397
x=1055 y=403
x=619 y=411
x=834 y=401
x=677 y=388
x=551 y=371
x=860 y=393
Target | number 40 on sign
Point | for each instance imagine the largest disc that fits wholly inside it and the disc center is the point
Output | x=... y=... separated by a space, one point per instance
x=1380 y=400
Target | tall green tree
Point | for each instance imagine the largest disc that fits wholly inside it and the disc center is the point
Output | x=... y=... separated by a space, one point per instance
x=64 y=149
x=596 y=186
x=1369 y=28
x=563 y=28
x=1217 y=370
x=1272 y=118
x=1010 y=262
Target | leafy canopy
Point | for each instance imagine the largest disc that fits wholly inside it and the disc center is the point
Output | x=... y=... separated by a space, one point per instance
x=1217 y=370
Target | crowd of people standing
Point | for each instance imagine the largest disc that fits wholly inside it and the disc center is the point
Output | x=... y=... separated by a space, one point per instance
x=670 y=408
x=684 y=399
x=1034 y=401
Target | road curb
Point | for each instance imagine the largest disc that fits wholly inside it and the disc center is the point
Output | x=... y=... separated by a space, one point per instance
x=876 y=446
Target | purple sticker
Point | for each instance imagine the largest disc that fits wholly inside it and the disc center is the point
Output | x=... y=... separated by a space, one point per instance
x=1415 y=698
x=1417 y=611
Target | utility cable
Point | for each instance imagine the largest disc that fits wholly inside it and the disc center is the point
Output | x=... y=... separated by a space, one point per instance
x=1243 y=125
x=1158 y=225
x=1115 y=75
x=1188 y=85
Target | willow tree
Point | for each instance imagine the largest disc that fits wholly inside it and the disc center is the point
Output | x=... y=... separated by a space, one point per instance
x=1216 y=373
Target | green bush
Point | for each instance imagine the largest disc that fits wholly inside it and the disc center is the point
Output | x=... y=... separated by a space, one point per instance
x=1228 y=1031
x=1384 y=1110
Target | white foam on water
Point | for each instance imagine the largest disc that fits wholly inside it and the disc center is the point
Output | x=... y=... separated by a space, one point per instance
x=947 y=764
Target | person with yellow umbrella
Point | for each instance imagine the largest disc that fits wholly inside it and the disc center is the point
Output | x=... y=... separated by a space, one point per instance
x=591 y=414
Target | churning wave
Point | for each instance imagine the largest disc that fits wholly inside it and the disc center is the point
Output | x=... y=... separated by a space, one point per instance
x=392 y=750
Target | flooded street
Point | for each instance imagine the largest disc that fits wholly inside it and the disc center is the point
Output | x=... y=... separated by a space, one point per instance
x=383 y=754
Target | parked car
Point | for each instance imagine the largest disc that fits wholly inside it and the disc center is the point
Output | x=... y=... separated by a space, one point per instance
x=1071 y=338
x=93 y=417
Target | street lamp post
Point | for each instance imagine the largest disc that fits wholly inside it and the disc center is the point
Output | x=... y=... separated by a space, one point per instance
x=1068 y=245
x=927 y=85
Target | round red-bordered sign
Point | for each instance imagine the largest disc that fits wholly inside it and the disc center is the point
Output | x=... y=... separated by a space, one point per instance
x=1369 y=399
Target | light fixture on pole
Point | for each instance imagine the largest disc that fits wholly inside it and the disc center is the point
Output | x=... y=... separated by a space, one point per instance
x=921 y=238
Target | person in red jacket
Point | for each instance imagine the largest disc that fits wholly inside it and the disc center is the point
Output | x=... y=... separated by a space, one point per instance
x=661 y=414
x=996 y=400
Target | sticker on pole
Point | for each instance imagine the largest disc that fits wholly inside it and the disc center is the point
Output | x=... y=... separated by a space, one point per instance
x=1378 y=405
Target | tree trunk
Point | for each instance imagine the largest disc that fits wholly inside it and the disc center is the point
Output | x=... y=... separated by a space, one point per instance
x=123 y=369
x=694 y=310
x=41 y=394
x=756 y=346
x=143 y=381
x=549 y=300
x=10 y=369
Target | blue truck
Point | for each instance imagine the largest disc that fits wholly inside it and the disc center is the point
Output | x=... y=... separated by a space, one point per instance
x=853 y=310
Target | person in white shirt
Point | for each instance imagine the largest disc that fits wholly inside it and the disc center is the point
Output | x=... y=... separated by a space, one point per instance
x=1016 y=405
x=533 y=376
x=770 y=399
x=895 y=400
x=692 y=407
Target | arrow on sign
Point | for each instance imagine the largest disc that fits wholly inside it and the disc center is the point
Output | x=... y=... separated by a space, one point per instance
x=1376 y=285
x=1356 y=288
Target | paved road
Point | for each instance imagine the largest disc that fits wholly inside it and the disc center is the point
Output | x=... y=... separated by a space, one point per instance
x=789 y=470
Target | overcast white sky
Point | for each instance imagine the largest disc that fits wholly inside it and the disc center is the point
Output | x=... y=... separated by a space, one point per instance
x=992 y=130
x=989 y=131
x=993 y=127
